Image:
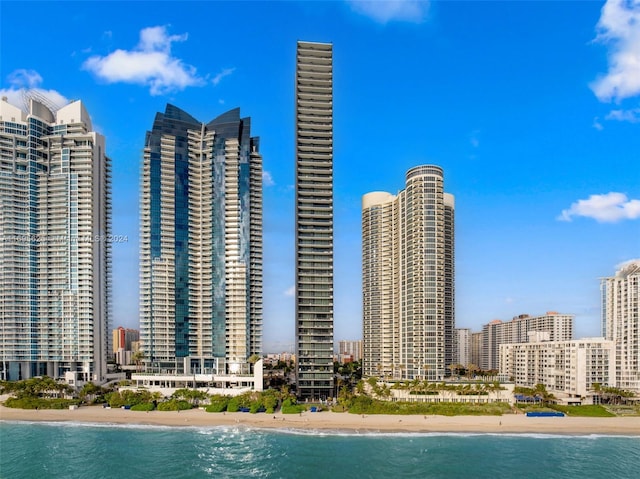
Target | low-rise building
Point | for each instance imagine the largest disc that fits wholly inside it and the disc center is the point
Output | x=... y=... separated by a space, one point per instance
x=569 y=368
x=211 y=381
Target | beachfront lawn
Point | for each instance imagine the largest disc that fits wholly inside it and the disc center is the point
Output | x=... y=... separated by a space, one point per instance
x=584 y=411
x=367 y=405
x=623 y=410
x=534 y=408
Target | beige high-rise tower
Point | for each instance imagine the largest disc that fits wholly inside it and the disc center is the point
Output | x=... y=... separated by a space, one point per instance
x=408 y=278
x=314 y=220
x=621 y=322
x=55 y=243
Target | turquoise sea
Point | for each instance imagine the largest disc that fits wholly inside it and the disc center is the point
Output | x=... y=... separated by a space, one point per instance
x=76 y=450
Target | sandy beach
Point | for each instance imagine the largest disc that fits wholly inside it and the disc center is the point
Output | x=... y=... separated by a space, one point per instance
x=518 y=424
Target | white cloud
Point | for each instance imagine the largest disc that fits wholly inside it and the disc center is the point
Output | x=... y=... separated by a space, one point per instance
x=607 y=208
x=150 y=63
x=22 y=81
x=596 y=124
x=384 y=11
x=619 y=29
x=290 y=291
x=24 y=78
x=267 y=179
x=632 y=116
x=225 y=72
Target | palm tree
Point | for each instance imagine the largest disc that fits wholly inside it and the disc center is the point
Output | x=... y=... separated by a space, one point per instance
x=541 y=392
x=137 y=358
x=471 y=370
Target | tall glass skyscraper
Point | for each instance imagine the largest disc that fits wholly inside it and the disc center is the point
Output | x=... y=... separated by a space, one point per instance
x=55 y=243
x=408 y=279
x=314 y=220
x=201 y=244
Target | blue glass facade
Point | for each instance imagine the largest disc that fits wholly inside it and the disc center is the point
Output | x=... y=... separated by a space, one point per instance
x=218 y=323
x=210 y=164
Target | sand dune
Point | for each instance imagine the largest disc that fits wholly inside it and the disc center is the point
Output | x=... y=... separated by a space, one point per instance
x=339 y=421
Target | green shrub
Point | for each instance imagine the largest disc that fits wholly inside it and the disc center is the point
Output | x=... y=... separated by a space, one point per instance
x=30 y=402
x=217 y=404
x=289 y=406
x=233 y=405
x=147 y=406
x=368 y=405
x=174 y=405
x=128 y=397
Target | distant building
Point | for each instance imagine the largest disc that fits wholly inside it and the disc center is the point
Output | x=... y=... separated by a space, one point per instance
x=567 y=367
x=559 y=326
x=621 y=323
x=55 y=253
x=124 y=338
x=124 y=341
x=314 y=220
x=274 y=358
x=201 y=245
x=476 y=349
x=408 y=278
x=462 y=346
x=349 y=351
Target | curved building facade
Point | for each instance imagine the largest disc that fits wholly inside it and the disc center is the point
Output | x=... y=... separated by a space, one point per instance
x=408 y=278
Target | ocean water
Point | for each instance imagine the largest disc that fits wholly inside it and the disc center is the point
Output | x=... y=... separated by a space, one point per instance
x=75 y=450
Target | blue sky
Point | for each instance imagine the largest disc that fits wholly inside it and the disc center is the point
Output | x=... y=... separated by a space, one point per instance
x=531 y=108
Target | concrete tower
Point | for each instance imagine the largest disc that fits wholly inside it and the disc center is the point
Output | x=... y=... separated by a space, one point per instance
x=314 y=220
x=408 y=278
x=621 y=322
x=55 y=251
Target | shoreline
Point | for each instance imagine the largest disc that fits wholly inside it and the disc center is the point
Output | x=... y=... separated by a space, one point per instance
x=326 y=421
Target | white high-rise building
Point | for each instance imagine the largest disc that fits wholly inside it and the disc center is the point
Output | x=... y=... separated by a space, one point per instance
x=559 y=326
x=350 y=349
x=567 y=367
x=314 y=220
x=408 y=278
x=55 y=245
x=462 y=347
x=201 y=245
x=621 y=322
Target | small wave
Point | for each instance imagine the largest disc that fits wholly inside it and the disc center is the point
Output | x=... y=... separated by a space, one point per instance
x=404 y=434
x=100 y=424
x=239 y=429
